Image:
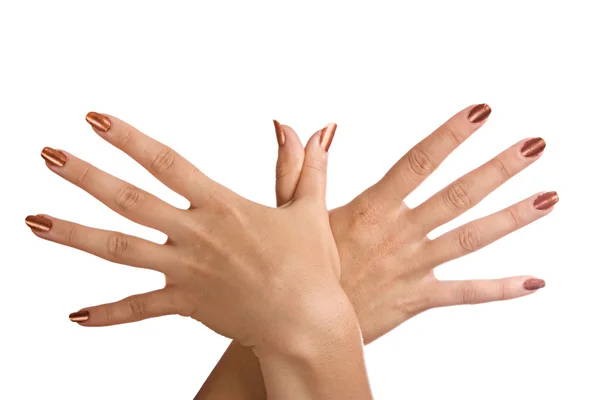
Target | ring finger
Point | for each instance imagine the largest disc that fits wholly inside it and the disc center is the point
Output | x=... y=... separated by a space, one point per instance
x=466 y=192
x=112 y=246
x=479 y=233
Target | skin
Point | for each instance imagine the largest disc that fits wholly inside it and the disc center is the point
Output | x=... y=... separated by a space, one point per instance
x=387 y=258
x=266 y=277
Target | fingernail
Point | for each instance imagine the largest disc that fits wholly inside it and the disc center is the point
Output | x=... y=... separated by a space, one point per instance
x=38 y=223
x=533 y=147
x=534 y=284
x=545 y=201
x=54 y=157
x=479 y=113
x=98 y=121
x=79 y=316
x=327 y=134
x=280 y=132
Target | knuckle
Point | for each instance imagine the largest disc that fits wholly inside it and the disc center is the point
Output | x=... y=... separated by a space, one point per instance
x=128 y=198
x=452 y=133
x=419 y=162
x=70 y=235
x=163 y=160
x=117 y=245
x=467 y=294
x=137 y=307
x=124 y=139
x=458 y=196
x=82 y=178
x=469 y=239
x=502 y=291
x=317 y=164
x=226 y=207
x=501 y=169
x=366 y=213
x=513 y=219
x=108 y=314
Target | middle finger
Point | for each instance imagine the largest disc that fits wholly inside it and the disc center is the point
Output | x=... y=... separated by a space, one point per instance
x=129 y=201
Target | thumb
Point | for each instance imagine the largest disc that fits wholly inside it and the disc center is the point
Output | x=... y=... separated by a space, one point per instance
x=131 y=309
x=289 y=163
x=313 y=179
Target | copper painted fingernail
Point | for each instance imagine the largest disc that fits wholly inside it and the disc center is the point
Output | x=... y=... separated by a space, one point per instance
x=479 y=113
x=98 y=121
x=533 y=147
x=38 y=223
x=280 y=132
x=79 y=316
x=54 y=157
x=534 y=284
x=327 y=134
x=545 y=201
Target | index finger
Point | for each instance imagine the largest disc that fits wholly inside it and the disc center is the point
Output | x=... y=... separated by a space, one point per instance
x=425 y=157
x=164 y=163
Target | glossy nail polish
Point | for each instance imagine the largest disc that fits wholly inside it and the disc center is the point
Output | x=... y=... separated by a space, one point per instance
x=533 y=147
x=280 y=132
x=327 y=134
x=54 y=157
x=38 y=223
x=479 y=113
x=98 y=121
x=79 y=316
x=534 y=284
x=545 y=201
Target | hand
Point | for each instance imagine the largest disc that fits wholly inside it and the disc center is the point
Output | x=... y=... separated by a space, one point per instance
x=387 y=259
x=266 y=277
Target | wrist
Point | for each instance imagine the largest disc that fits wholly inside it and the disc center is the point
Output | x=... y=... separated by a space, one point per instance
x=317 y=327
x=323 y=362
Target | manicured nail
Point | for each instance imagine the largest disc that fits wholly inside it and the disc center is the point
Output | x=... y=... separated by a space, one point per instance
x=54 y=157
x=280 y=132
x=79 y=316
x=533 y=147
x=98 y=121
x=534 y=284
x=545 y=201
x=327 y=134
x=38 y=223
x=479 y=113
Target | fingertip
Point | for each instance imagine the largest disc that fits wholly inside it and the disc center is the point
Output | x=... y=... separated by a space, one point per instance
x=54 y=158
x=327 y=134
x=534 y=284
x=38 y=223
x=79 y=316
x=99 y=122
x=545 y=201
x=279 y=132
x=289 y=164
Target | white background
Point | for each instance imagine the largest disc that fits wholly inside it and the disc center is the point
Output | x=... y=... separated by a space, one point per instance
x=207 y=80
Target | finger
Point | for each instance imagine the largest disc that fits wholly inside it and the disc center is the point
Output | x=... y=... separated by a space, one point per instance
x=313 y=179
x=469 y=190
x=131 y=309
x=120 y=196
x=112 y=246
x=427 y=155
x=451 y=293
x=289 y=163
x=479 y=233
x=161 y=161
